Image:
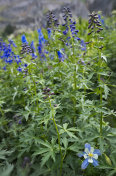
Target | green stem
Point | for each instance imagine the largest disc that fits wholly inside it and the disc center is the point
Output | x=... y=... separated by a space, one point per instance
x=58 y=135
x=101 y=115
x=2 y=112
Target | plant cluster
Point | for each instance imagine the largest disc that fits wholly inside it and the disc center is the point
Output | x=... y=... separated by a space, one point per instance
x=54 y=90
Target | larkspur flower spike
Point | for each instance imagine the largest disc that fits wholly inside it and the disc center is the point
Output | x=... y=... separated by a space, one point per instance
x=90 y=155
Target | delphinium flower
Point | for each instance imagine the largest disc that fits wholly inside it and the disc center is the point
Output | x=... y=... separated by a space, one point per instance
x=83 y=45
x=60 y=56
x=26 y=49
x=26 y=162
x=69 y=24
x=19 y=69
x=90 y=155
x=7 y=53
x=81 y=61
x=23 y=39
x=49 y=32
x=34 y=56
x=17 y=59
x=47 y=92
x=52 y=21
x=4 y=68
x=11 y=42
x=101 y=19
x=17 y=119
x=95 y=25
x=41 y=45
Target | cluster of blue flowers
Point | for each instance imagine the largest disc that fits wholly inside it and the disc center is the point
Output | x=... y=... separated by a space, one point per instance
x=41 y=44
x=6 y=53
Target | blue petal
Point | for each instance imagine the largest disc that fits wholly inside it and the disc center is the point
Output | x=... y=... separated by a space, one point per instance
x=85 y=164
x=95 y=162
x=88 y=146
x=97 y=151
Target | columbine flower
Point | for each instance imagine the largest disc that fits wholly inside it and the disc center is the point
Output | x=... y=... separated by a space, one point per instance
x=90 y=156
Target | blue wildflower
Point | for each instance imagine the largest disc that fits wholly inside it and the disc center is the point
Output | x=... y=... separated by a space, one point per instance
x=49 y=32
x=17 y=59
x=32 y=46
x=11 y=42
x=40 y=49
x=4 y=68
x=23 y=38
x=91 y=155
x=60 y=56
x=19 y=69
x=83 y=45
x=100 y=19
x=41 y=37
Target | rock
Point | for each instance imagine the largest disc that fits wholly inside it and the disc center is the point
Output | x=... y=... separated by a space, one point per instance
x=31 y=13
x=106 y=6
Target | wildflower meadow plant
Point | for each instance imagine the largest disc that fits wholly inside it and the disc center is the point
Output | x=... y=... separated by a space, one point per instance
x=54 y=99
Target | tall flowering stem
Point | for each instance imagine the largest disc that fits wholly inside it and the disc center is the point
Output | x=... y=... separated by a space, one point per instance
x=95 y=29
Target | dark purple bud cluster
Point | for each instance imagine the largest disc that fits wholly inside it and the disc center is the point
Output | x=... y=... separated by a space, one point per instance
x=26 y=49
x=81 y=61
x=52 y=20
x=17 y=119
x=94 y=23
x=47 y=92
x=26 y=162
x=69 y=27
x=67 y=15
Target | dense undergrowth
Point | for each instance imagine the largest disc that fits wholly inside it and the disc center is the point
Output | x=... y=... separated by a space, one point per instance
x=55 y=98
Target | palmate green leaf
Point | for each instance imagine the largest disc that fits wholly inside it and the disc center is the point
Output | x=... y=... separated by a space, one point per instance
x=3 y=154
x=47 y=152
x=74 y=147
x=41 y=151
x=45 y=158
x=6 y=171
x=69 y=131
x=45 y=144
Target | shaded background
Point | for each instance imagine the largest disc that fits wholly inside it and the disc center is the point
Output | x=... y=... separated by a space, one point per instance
x=29 y=14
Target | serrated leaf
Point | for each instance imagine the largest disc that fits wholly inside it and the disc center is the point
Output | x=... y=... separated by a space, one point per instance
x=45 y=158
x=41 y=151
x=46 y=144
x=65 y=142
x=6 y=171
x=71 y=134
